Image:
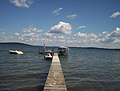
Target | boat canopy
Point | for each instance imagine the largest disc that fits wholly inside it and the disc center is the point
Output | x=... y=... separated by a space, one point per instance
x=63 y=47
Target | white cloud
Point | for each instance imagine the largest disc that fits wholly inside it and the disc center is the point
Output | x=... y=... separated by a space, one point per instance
x=22 y=3
x=92 y=35
x=114 y=15
x=115 y=33
x=32 y=29
x=57 y=11
x=81 y=27
x=102 y=38
x=31 y=32
x=29 y=35
x=79 y=34
x=48 y=35
x=60 y=37
x=17 y=34
x=73 y=16
x=117 y=41
x=111 y=38
x=83 y=39
x=84 y=35
x=62 y=27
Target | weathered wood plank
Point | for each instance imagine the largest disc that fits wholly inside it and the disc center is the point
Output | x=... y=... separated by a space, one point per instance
x=55 y=80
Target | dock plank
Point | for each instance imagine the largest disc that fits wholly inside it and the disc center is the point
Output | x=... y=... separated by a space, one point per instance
x=55 y=80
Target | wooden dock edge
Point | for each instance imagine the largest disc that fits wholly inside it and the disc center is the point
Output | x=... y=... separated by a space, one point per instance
x=55 y=80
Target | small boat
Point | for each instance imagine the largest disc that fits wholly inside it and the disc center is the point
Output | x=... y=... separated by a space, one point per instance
x=48 y=55
x=41 y=52
x=15 y=52
x=62 y=50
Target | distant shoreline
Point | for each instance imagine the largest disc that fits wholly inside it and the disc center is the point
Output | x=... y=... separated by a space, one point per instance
x=19 y=43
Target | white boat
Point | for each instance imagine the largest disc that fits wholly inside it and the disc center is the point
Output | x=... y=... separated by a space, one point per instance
x=63 y=50
x=15 y=52
x=48 y=55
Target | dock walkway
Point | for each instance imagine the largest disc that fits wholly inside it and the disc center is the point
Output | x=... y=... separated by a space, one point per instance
x=55 y=80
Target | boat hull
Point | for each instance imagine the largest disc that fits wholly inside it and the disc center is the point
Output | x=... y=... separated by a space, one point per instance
x=15 y=52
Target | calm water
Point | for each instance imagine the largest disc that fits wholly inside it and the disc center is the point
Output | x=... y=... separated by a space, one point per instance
x=92 y=69
x=86 y=69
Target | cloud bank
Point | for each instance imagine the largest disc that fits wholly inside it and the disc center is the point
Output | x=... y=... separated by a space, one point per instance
x=104 y=39
x=60 y=34
x=30 y=34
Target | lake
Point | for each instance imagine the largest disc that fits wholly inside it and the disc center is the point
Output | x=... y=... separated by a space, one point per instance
x=85 y=69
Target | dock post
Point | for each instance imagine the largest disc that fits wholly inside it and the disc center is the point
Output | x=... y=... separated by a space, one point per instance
x=55 y=80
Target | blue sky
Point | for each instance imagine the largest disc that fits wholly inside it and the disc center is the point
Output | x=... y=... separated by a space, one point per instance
x=94 y=23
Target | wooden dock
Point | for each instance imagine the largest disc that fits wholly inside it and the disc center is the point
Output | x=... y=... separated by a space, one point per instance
x=55 y=80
